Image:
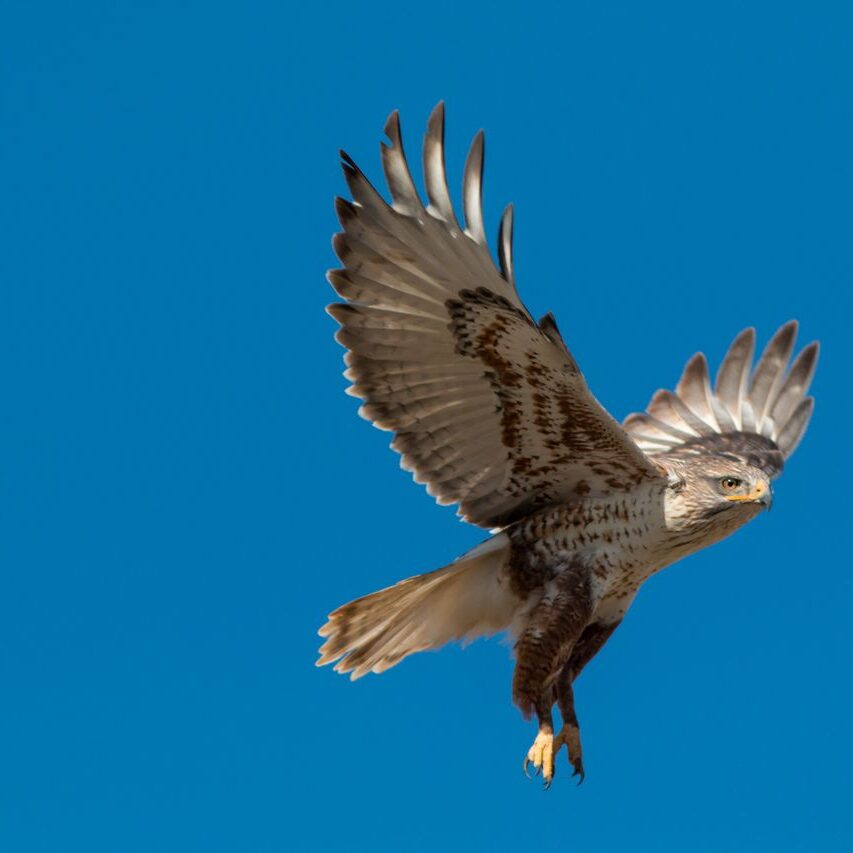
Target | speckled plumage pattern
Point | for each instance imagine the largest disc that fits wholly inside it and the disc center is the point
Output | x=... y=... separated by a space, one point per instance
x=491 y=412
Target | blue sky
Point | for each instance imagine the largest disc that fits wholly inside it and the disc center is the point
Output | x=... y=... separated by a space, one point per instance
x=187 y=491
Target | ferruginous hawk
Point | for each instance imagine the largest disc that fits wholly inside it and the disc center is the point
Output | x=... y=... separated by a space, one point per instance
x=491 y=412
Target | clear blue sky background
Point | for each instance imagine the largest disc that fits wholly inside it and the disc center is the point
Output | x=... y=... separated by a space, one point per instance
x=185 y=490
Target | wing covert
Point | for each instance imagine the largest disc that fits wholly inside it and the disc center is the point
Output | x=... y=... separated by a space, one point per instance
x=489 y=409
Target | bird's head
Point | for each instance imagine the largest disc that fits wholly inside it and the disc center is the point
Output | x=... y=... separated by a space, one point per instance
x=717 y=492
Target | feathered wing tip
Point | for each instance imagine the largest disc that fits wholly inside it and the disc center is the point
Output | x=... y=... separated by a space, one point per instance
x=404 y=194
x=505 y=244
x=770 y=401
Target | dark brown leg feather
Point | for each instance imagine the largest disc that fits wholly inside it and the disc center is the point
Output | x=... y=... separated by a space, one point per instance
x=589 y=645
x=586 y=648
x=542 y=651
x=544 y=647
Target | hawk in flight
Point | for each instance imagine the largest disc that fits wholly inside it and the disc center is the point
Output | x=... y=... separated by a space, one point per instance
x=491 y=412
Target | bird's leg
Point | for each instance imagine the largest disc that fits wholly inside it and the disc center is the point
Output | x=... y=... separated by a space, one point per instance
x=570 y=734
x=541 y=753
x=543 y=649
x=586 y=648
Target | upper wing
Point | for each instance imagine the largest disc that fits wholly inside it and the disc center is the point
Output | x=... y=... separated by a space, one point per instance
x=758 y=416
x=489 y=408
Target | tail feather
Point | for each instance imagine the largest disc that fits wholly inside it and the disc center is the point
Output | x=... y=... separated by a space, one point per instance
x=462 y=601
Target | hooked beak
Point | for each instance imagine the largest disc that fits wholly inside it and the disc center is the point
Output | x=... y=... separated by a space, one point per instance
x=761 y=494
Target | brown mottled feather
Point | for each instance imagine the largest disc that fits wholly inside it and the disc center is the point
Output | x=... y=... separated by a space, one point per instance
x=489 y=409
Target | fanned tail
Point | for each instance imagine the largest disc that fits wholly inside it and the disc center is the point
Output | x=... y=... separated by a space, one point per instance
x=462 y=601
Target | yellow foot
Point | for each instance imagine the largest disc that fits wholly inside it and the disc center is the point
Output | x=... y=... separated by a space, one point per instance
x=541 y=756
x=571 y=736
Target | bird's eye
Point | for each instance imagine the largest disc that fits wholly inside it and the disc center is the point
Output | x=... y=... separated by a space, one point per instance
x=729 y=484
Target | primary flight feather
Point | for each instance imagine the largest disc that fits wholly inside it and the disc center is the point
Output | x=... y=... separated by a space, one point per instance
x=491 y=412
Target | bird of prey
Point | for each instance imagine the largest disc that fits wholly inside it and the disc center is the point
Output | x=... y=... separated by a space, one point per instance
x=491 y=412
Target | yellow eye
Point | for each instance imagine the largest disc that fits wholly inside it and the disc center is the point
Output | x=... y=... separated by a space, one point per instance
x=729 y=484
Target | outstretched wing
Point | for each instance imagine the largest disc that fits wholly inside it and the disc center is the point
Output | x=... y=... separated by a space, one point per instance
x=758 y=416
x=489 y=409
